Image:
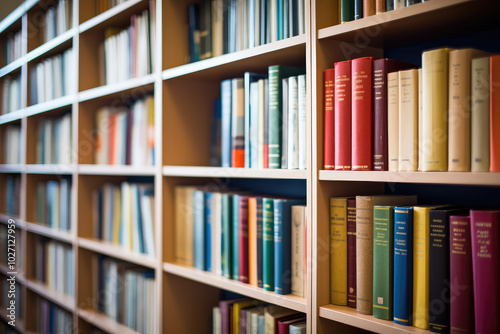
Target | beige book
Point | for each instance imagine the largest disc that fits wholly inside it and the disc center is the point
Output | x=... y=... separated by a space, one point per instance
x=393 y=120
x=184 y=225
x=298 y=250
x=435 y=110
x=408 y=120
x=459 y=100
x=364 y=245
x=420 y=115
x=480 y=115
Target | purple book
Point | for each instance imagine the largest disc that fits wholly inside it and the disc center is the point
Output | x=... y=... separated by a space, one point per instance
x=225 y=314
x=243 y=321
x=462 y=303
x=485 y=269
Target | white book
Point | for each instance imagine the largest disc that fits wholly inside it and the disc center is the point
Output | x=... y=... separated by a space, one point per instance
x=408 y=120
x=47 y=140
x=48 y=79
x=147 y=210
x=274 y=20
x=284 y=129
x=5 y=95
x=217 y=321
x=261 y=122
x=302 y=120
x=257 y=23
x=293 y=124
x=298 y=250
x=65 y=140
x=216 y=233
x=139 y=133
x=126 y=216
x=254 y=124
x=58 y=76
x=61 y=17
x=399 y=4
x=68 y=73
x=301 y=16
x=140 y=303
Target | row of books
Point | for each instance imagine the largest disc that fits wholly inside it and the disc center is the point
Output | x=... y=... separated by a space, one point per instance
x=52 y=78
x=244 y=315
x=54 y=140
x=124 y=216
x=11 y=93
x=50 y=318
x=218 y=27
x=263 y=119
x=129 y=296
x=56 y=20
x=398 y=118
x=53 y=265
x=12 y=144
x=4 y=254
x=125 y=135
x=429 y=266
x=12 y=47
x=12 y=195
x=357 y=9
x=129 y=52
x=251 y=239
x=103 y=5
x=53 y=204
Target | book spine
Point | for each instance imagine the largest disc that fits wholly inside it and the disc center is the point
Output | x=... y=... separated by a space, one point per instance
x=301 y=120
x=389 y=5
x=293 y=135
x=393 y=120
x=298 y=250
x=408 y=121
x=461 y=283
x=226 y=130
x=403 y=265
x=243 y=242
x=259 y=243
x=279 y=248
x=329 y=114
x=358 y=9
x=364 y=254
x=379 y=6
x=235 y=237
x=342 y=121
x=421 y=267
x=494 y=114
x=351 y=253
x=227 y=236
x=275 y=103
x=361 y=156
x=485 y=269
x=383 y=249
x=238 y=123
x=380 y=112
x=208 y=232
x=480 y=115
x=268 y=244
x=420 y=120
x=338 y=251
x=252 y=241
x=199 y=229
x=265 y=158
x=284 y=128
x=346 y=11
x=368 y=8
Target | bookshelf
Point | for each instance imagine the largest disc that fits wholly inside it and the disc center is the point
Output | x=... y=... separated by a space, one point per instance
x=182 y=158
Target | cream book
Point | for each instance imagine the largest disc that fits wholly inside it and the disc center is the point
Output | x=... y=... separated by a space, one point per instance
x=393 y=120
x=480 y=115
x=408 y=120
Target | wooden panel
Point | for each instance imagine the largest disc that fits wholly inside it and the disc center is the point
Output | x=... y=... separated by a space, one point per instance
x=326 y=13
x=87 y=278
x=89 y=61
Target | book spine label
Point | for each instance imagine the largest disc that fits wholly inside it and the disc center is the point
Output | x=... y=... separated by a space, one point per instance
x=361 y=157
x=243 y=242
x=268 y=244
x=351 y=253
x=380 y=113
x=338 y=251
x=364 y=254
x=403 y=265
x=480 y=115
x=494 y=114
x=329 y=103
x=421 y=267
x=393 y=120
x=342 y=122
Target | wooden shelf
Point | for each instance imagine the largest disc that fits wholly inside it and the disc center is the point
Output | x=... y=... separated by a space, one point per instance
x=12 y=168
x=52 y=233
x=12 y=66
x=103 y=322
x=12 y=116
x=457 y=178
x=117 y=252
x=289 y=301
x=58 y=298
x=126 y=9
x=54 y=104
x=52 y=46
x=349 y=316
x=55 y=169
x=116 y=170
x=124 y=87
x=242 y=61
x=220 y=172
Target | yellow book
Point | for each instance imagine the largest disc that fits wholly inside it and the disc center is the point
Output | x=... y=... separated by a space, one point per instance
x=434 y=148
x=338 y=250
x=184 y=253
x=236 y=312
x=116 y=215
x=252 y=240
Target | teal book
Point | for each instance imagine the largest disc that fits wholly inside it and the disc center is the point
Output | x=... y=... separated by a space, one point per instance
x=227 y=235
x=347 y=11
x=235 y=237
x=268 y=243
x=199 y=229
x=208 y=232
x=275 y=105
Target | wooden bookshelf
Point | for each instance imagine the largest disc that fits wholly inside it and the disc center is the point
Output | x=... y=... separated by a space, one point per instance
x=49 y=232
x=62 y=300
x=103 y=322
x=219 y=172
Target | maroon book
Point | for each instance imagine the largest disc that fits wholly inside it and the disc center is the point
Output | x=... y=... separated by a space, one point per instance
x=351 y=253
x=329 y=92
x=243 y=240
x=225 y=314
x=485 y=269
x=342 y=122
x=461 y=287
x=380 y=142
x=284 y=325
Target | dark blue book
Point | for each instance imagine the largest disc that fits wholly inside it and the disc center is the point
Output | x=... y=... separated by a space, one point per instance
x=225 y=26
x=208 y=232
x=226 y=101
x=52 y=317
x=194 y=31
x=215 y=135
x=99 y=213
x=283 y=244
x=226 y=235
x=358 y=9
x=403 y=265
x=260 y=274
x=235 y=236
x=199 y=229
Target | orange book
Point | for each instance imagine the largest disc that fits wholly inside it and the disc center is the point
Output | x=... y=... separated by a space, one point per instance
x=252 y=240
x=494 y=114
x=112 y=139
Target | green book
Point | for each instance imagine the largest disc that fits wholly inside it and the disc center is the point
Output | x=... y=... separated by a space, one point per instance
x=276 y=74
x=268 y=243
x=236 y=237
x=227 y=234
x=383 y=252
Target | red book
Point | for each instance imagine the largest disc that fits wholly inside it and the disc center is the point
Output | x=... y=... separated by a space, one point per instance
x=362 y=112
x=380 y=142
x=485 y=269
x=494 y=114
x=351 y=253
x=461 y=287
x=342 y=122
x=284 y=325
x=329 y=90
x=243 y=240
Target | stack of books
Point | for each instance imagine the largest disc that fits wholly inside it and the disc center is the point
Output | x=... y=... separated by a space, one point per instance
x=263 y=119
x=252 y=239
x=52 y=78
x=56 y=20
x=54 y=140
x=125 y=135
x=12 y=144
x=12 y=47
x=124 y=216
x=53 y=204
x=11 y=93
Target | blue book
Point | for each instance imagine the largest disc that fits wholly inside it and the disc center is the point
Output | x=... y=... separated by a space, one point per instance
x=260 y=274
x=199 y=229
x=194 y=31
x=226 y=235
x=251 y=23
x=226 y=138
x=70 y=288
x=111 y=212
x=208 y=232
x=52 y=317
x=99 y=213
x=358 y=9
x=263 y=20
x=235 y=236
x=57 y=131
x=283 y=244
x=248 y=78
x=262 y=324
x=403 y=265
x=280 y=19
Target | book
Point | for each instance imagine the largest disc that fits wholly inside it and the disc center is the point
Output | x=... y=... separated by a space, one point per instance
x=364 y=245
x=486 y=269
x=403 y=265
x=284 y=128
x=342 y=119
x=494 y=115
x=393 y=121
x=226 y=122
x=225 y=307
x=235 y=223
x=199 y=229
x=408 y=121
x=379 y=6
x=301 y=120
x=183 y=225
x=351 y=253
x=252 y=241
x=346 y=11
x=368 y=8
x=329 y=117
x=338 y=250
x=480 y=114
x=243 y=239
x=293 y=122
x=434 y=150
x=227 y=235
x=268 y=244
x=250 y=113
x=298 y=250
x=238 y=123
x=273 y=314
